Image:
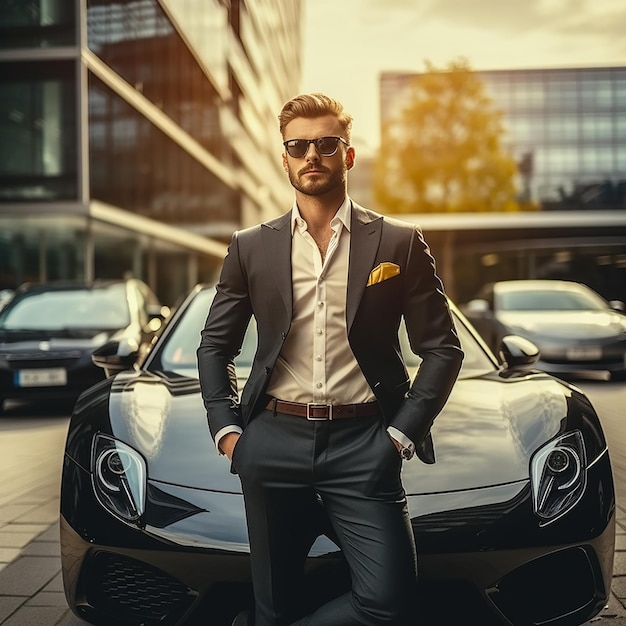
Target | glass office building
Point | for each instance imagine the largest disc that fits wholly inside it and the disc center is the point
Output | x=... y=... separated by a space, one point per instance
x=566 y=129
x=137 y=135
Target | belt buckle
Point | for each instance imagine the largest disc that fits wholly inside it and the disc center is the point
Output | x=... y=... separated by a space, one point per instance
x=319 y=405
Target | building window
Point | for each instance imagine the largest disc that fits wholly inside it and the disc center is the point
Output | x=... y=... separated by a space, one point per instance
x=41 y=249
x=136 y=167
x=37 y=23
x=38 y=136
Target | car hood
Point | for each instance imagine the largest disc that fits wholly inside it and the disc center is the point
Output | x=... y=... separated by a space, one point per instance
x=485 y=435
x=566 y=324
x=50 y=340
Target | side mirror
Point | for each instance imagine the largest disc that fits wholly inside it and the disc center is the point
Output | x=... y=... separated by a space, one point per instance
x=617 y=305
x=116 y=355
x=517 y=353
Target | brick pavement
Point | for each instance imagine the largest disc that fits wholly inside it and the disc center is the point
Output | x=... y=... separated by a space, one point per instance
x=31 y=590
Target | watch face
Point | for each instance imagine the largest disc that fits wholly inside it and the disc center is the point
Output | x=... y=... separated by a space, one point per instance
x=406 y=454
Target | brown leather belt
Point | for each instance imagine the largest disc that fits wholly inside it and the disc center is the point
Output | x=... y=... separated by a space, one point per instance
x=321 y=411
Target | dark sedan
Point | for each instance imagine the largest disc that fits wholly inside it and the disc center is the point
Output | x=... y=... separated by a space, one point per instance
x=574 y=328
x=48 y=332
x=515 y=522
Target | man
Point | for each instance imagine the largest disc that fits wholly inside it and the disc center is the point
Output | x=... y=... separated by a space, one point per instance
x=328 y=412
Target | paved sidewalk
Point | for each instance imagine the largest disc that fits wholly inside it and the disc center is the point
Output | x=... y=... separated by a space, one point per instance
x=31 y=590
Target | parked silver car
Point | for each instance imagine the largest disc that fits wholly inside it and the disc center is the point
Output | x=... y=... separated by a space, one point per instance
x=574 y=328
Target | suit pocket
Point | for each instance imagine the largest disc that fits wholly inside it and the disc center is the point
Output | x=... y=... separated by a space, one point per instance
x=382 y=272
x=237 y=451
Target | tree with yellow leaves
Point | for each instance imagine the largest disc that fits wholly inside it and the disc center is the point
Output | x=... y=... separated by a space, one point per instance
x=443 y=152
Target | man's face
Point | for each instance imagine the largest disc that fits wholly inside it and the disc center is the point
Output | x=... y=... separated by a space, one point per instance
x=314 y=174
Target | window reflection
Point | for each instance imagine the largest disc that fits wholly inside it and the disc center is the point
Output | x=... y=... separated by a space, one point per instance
x=38 y=159
x=37 y=24
x=139 y=43
x=41 y=249
x=138 y=167
x=571 y=122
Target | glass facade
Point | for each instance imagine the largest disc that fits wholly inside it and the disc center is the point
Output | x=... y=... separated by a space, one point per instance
x=41 y=248
x=567 y=125
x=134 y=164
x=566 y=129
x=139 y=145
x=139 y=43
x=38 y=131
x=37 y=23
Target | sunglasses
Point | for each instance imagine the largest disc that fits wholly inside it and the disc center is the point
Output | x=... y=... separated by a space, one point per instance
x=325 y=146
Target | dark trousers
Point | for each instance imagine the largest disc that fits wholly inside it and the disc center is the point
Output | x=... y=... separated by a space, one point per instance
x=286 y=465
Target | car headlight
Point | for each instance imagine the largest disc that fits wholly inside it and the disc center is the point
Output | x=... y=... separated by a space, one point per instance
x=119 y=478
x=558 y=476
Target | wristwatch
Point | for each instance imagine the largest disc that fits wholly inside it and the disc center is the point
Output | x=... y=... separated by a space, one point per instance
x=406 y=453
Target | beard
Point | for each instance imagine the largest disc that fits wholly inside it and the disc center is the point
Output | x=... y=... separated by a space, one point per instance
x=323 y=183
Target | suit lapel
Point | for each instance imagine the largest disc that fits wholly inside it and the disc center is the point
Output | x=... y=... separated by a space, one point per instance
x=365 y=232
x=277 y=239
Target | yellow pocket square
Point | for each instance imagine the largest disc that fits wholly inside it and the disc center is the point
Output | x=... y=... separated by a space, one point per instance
x=381 y=272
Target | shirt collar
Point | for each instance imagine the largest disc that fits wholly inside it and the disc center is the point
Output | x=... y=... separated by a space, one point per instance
x=342 y=216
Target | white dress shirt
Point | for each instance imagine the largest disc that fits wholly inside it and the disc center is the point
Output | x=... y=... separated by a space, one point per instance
x=316 y=363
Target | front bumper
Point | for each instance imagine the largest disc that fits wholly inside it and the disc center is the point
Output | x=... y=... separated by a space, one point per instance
x=492 y=561
x=80 y=374
x=582 y=356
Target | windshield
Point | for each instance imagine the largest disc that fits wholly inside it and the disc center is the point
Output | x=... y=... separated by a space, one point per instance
x=102 y=308
x=475 y=360
x=549 y=300
x=179 y=352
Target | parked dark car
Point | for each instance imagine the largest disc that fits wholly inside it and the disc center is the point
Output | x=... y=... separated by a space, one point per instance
x=514 y=522
x=575 y=329
x=48 y=332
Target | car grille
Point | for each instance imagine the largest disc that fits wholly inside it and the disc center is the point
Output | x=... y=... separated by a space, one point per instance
x=536 y=594
x=124 y=586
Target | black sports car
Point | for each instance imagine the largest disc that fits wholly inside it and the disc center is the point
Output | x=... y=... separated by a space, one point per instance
x=49 y=330
x=514 y=522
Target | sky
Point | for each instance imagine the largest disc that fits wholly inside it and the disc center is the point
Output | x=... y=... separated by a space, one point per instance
x=348 y=43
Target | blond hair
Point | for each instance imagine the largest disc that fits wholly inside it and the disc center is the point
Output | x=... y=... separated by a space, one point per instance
x=314 y=105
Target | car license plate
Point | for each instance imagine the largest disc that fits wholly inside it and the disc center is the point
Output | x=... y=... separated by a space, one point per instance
x=584 y=353
x=50 y=377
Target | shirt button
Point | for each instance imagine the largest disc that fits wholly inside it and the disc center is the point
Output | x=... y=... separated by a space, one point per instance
x=320 y=304
x=319 y=331
x=318 y=357
x=319 y=385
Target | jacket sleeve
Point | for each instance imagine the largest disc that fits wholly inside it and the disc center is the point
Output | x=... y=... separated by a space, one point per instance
x=220 y=342
x=432 y=337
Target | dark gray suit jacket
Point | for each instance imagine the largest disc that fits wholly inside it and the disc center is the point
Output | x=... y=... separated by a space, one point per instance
x=256 y=280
